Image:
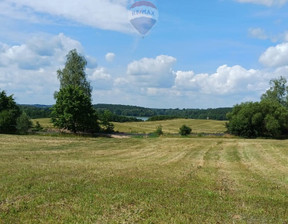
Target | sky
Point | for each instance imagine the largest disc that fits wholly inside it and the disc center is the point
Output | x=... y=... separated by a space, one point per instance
x=200 y=54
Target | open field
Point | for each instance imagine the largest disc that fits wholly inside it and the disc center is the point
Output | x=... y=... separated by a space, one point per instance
x=47 y=179
x=172 y=126
x=169 y=126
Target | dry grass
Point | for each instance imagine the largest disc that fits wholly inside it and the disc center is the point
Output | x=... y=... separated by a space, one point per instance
x=149 y=180
x=172 y=126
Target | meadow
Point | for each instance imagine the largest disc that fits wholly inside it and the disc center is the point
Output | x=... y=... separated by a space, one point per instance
x=172 y=126
x=170 y=179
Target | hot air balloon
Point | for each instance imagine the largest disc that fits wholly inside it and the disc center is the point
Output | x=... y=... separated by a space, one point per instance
x=143 y=16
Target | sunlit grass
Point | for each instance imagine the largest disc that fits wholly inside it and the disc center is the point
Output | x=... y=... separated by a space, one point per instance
x=151 y=180
x=44 y=122
x=172 y=126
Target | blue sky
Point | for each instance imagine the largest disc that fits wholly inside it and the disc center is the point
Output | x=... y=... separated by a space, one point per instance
x=200 y=54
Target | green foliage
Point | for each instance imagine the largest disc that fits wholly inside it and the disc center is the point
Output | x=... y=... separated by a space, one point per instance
x=73 y=111
x=9 y=112
x=159 y=130
x=213 y=114
x=36 y=111
x=37 y=127
x=278 y=91
x=114 y=117
x=268 y=118
x=185 y=130
x=106 y=125
x=24 y=123
x=74 y=74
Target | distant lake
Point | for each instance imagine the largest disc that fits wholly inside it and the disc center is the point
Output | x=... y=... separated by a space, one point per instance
x=142 y=118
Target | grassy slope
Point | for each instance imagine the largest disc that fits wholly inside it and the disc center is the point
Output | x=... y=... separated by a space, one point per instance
x=172 y=126
x=169 y=126
x=152 y=180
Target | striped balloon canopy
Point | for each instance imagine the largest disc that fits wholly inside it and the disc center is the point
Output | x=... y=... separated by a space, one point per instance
x=143 y=16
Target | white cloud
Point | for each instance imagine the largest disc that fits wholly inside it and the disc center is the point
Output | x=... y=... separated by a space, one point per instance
x=275 y=56
x=102 y=14
x=226 y=80
x=110 y=57
x=100 y=79
x=39 y=52
x=152 y=72
x=29 y=70
x=265 y=2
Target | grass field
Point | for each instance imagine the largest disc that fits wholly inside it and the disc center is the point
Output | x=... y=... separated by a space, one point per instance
x=46 y=179
x=169 y=126
x=172 y=126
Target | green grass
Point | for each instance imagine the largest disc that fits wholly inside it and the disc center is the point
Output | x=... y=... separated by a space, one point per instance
x=172 y=126
x=47 y=179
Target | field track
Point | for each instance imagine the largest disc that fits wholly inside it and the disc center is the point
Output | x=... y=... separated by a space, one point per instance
x=153 y=180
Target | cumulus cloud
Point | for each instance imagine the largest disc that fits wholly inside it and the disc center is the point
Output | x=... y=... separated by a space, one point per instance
x=101 y=79
x=29 y=70
x=226 y=80
x=265 y=2
x=102 y=14
x=39 y=52
x=275 y=56
x=110 y=57
x=152 y=72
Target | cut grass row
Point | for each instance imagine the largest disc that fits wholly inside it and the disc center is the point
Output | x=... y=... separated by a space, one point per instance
x=155 y=180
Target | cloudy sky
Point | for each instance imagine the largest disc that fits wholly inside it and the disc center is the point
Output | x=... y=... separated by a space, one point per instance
x=200 y=54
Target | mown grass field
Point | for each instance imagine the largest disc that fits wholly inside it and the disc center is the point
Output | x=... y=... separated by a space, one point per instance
x=169 y=126
x=172 y=126
x=46 y=179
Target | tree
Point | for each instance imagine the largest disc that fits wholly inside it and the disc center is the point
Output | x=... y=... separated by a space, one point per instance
x=278 y=91
x=9 y=112
x=73 y=74
x=24 y=123
x=73 y=111
x=185 y=130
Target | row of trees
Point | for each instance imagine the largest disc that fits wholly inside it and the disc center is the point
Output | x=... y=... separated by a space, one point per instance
x=160 y=114
x=267 y=118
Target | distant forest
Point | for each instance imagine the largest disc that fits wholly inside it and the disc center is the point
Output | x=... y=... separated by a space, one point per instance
x=43 y=111
x=122 y=110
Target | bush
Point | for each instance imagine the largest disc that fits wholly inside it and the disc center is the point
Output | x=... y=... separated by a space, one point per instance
x=185 y=130
x=23 y=124
x=159 y=131
x=37 y=127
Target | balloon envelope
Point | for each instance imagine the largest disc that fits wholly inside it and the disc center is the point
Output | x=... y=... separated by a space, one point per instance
x=143 y=16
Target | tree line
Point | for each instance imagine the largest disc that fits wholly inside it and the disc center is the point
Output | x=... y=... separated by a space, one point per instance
x=161 y=114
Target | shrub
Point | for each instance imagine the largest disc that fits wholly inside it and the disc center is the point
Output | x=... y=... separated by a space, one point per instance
x=23 y=124
x=159 y=130
x=185 y=130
